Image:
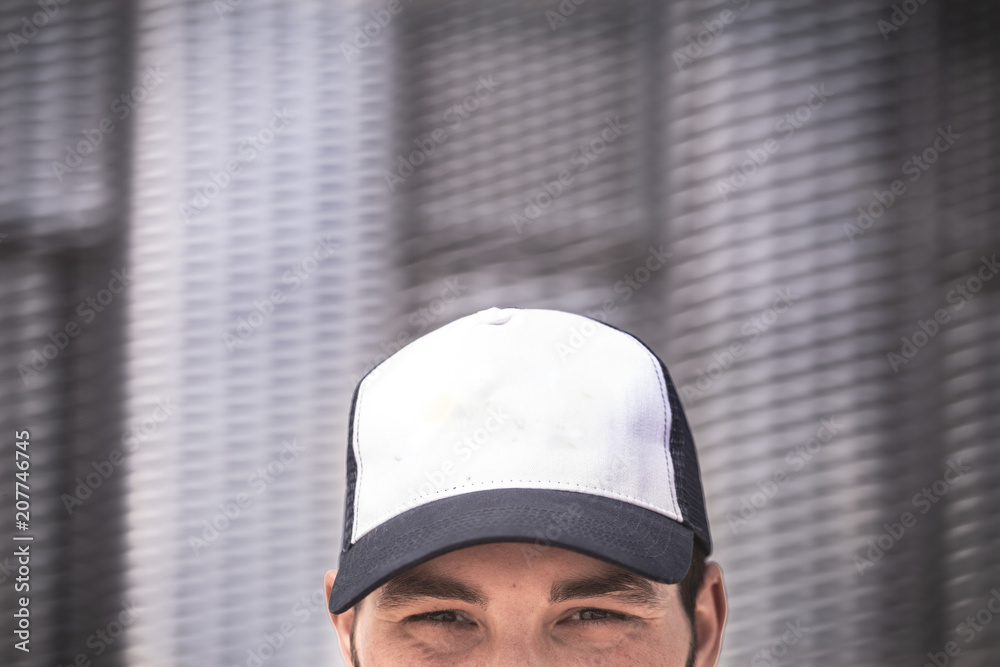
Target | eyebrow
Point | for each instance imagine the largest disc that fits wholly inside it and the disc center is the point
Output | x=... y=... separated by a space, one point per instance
x=412 y=586
x=615 y=582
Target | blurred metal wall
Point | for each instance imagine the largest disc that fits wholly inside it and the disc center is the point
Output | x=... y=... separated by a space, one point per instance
x=803 y=555
x=63 y=225
x=296 y=198
x=704 y=87
x=258 y=267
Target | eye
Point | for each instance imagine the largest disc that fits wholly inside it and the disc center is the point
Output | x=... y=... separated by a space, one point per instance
x=448 y=616
x=596 y=616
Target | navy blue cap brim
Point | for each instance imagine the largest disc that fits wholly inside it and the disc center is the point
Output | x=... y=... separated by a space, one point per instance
x=632 y=537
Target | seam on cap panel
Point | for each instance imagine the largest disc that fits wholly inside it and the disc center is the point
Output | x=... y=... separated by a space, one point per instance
x=357 y=458
x=553 y=486
x=661 y=381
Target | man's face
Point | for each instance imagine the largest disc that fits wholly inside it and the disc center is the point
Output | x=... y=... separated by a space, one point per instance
x=492 y=605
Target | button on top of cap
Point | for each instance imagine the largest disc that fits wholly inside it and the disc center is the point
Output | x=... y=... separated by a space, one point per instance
x=495 y=315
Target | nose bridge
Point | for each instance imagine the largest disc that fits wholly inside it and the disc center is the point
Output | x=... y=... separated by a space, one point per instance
x=516 y=643
x=518 y=652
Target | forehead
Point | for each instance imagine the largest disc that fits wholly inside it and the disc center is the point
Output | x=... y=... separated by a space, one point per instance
x=523 y=558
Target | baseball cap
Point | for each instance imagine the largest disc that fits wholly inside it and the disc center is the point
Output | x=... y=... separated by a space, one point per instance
x=519 y=425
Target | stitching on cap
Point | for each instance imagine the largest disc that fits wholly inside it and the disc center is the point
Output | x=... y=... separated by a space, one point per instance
x=666 y=409
x=624 y=541
x=441 y=493
x=357 y=457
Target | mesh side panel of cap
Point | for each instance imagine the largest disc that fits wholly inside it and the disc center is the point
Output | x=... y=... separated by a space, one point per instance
x=687 y=473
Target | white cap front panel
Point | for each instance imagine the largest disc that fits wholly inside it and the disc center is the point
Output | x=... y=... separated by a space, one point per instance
x=513 y=399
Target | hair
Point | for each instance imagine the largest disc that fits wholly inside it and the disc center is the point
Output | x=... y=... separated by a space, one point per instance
x=355 y=660
x=690 y=585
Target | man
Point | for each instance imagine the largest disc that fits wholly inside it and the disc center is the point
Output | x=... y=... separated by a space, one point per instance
x=523 y=489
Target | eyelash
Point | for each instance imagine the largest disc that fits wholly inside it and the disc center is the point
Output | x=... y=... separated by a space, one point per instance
x=609 y=617
x=426 y=617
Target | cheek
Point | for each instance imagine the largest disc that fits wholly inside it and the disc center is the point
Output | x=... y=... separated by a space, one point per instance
x=650 y=644
x=437 y=640
x=416 y=644
x=674 y=640
x=664 y=651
